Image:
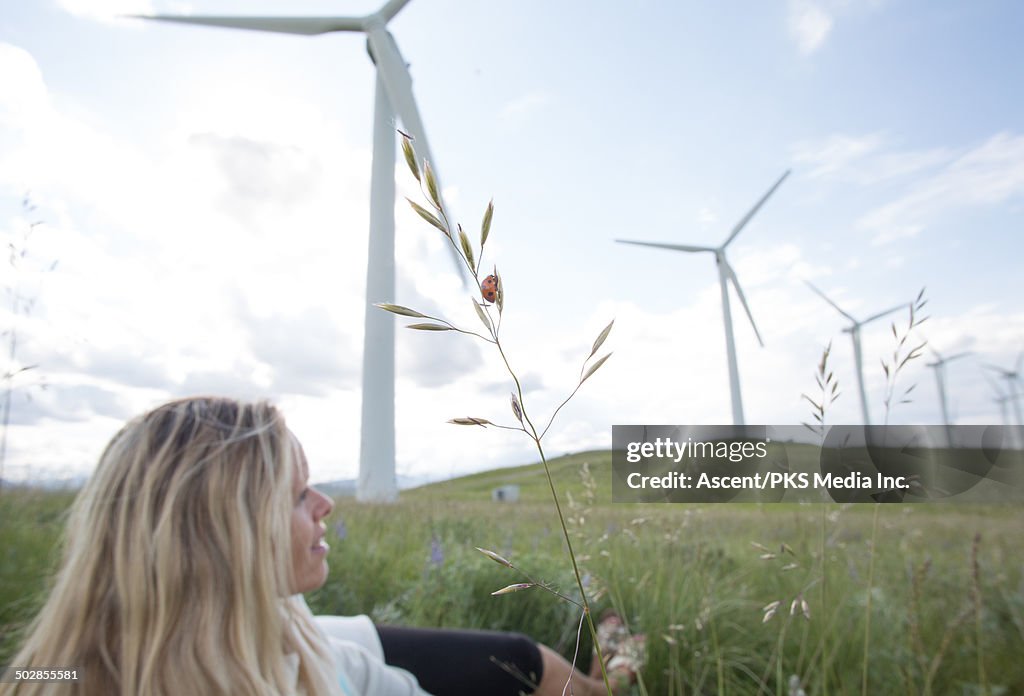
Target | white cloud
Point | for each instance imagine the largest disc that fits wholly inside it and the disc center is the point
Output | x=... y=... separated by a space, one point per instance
x=201 y=260
x=809 y=25
x=990 y=173
x=924 y=184
x=23 y=97
x=810 y=22
x=865 y=160
x=835 y=154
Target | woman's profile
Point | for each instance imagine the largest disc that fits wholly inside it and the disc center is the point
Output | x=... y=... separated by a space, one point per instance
x=184 y=563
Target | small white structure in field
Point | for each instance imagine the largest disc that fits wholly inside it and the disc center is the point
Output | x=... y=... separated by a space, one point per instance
x=508 y=493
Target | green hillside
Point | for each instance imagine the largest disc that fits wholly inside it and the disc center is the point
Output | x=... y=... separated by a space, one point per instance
x=533 y=484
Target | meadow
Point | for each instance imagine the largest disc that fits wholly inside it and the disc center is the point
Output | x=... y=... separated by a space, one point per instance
x=734 y=598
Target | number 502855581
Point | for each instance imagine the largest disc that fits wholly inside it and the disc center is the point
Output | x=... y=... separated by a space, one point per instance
x=43 y=675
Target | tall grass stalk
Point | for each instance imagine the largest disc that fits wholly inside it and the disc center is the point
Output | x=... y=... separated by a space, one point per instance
x=901 y=356
x=493 y=295
x=867 y=602
x=976 y=597
x=21 y=303
x=824 y=598
x=829 y=388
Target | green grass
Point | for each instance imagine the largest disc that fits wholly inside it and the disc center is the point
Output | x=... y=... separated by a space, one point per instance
x=687 y=575
x=31 y=523
x=565 y=471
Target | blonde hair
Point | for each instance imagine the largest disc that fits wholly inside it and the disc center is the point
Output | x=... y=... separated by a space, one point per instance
x=177 y=564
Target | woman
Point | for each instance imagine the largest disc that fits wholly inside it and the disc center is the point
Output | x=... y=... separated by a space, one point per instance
x=185 y=558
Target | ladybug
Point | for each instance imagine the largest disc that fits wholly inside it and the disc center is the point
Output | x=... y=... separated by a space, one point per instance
x=489 y=288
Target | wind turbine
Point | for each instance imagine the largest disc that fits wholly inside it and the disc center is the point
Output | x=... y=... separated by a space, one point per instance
x=1012 y=378
x=377 y=480
x=854 y=330
x=1002 y=398
x=940 y=379
x=725 y=275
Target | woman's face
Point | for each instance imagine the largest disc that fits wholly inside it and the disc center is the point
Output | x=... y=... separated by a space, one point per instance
x=309 y=550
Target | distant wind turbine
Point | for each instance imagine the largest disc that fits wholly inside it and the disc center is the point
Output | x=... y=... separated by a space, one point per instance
x=854 y=330
x=726 y=275
x=1003 y=398
x=1012 y=378
x=377 y=480
x=1000 y=398
x=940 y=379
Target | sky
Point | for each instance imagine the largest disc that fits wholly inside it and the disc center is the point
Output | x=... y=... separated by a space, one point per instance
x=204 y=194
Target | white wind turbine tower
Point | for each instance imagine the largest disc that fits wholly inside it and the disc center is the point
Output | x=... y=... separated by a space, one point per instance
x=940 y=379
x=854 y=330
x=1012 y=378
x=726 y=275
x=1002 y=398
x=377 y=480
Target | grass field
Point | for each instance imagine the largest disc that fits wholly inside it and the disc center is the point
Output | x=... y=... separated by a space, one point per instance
x=901 y=599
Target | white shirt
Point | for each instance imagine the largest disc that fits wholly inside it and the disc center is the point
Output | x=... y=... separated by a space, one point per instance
x=360 y=659
x=362 y=673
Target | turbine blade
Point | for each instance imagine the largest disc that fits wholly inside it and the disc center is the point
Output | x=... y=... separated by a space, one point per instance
x=1001 y=370
x=825 y=297
x=398 y=85
x=743 y=300
x=882 y=314
x=957 y=355
x=676 y=247
x=307 y=26
x=390 y=9
x=746 y=218
x=992 y=383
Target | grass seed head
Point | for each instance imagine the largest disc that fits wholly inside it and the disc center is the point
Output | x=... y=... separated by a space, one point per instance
x=516 y=587
x=495 y=557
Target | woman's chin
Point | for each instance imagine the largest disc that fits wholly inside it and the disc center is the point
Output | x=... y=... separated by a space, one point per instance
x=312 y=581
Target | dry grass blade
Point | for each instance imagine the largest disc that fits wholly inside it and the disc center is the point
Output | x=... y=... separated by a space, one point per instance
x=483 y=316
x=500 y=300
x=470 y=421
x=517 y=409
x=467 y=248
x=495 y=557
x=428 y=216
x=601 y=338
x=485 y=226
x=595 y=367
x=516 y=587
x=435 y=195
x=410 y=155
x=399 y=309
x=429 y=327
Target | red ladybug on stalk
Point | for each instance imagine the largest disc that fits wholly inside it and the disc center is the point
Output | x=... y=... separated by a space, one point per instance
x=489 y=288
